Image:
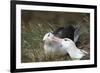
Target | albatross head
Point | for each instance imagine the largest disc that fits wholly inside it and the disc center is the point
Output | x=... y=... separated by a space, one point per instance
x=49 y=37
x=66 y=42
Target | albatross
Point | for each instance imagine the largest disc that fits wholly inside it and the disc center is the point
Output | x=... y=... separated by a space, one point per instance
x=74 y=52
x=52 y=44
x=63 y=46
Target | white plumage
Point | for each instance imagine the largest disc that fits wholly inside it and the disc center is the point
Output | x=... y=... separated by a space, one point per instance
x=57 y=45
x=74 y=52
x=53 y=44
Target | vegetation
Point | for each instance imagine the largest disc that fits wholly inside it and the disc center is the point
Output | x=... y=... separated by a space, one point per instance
x=34 y=25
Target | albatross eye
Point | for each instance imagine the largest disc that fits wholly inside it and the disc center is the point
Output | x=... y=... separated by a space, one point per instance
x=48 y=34
x=65 y=39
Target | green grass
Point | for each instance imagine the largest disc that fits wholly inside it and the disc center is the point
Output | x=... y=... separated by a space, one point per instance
x=34 y=25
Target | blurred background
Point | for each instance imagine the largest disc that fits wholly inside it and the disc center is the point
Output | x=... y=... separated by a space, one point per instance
x=34 y=25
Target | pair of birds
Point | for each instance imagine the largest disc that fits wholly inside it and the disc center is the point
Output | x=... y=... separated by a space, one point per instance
x=62 y=41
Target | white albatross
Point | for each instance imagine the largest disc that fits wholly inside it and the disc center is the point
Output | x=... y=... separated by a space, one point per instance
x=52 y=45
x=74 y=52
x=57 y=45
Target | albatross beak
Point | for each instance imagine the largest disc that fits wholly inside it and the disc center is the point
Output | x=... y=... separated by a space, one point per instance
x=56 y=39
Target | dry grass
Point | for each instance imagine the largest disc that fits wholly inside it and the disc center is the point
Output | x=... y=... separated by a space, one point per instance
x=36 y=23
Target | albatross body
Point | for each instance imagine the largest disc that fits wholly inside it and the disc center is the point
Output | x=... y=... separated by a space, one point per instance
x=53 y=44
x=74 y=52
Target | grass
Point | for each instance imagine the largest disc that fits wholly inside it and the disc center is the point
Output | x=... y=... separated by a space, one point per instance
x=34 y=25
